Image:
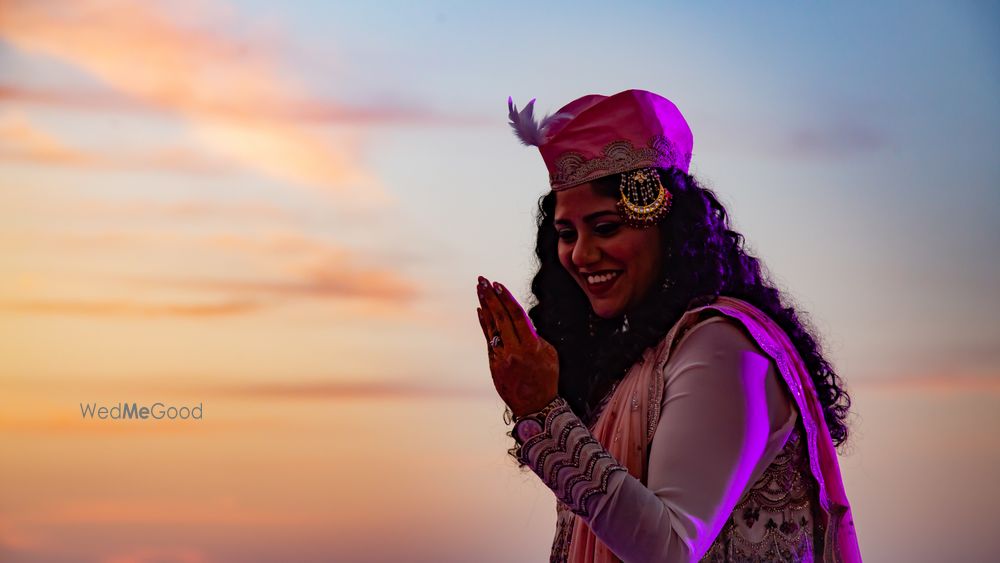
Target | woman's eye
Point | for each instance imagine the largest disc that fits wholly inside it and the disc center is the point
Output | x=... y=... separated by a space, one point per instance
x=565 y=234
x=606 y=228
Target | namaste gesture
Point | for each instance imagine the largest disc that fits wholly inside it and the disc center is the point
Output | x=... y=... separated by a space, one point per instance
x=525 y=367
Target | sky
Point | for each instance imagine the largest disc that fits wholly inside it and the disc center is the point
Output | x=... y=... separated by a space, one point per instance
x=278 y=211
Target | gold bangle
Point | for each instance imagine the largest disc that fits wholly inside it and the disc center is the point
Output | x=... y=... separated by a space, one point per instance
x=543 y=413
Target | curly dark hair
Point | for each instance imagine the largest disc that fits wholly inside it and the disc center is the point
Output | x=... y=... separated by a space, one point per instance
x=704 y=258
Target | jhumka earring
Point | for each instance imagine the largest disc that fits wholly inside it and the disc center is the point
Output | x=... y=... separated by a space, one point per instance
x=644 y=199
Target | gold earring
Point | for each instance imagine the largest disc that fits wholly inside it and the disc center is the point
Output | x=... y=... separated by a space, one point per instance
x=644 y=200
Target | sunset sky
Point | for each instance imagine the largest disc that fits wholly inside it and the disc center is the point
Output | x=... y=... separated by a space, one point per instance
x=278 y=210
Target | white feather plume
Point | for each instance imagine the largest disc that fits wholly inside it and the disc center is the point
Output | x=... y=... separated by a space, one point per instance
x=529 y=131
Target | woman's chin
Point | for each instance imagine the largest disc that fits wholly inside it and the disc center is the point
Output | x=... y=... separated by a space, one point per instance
x=605 y=310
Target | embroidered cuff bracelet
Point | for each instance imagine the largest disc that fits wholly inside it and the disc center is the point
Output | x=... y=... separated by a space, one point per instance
x=568 y=459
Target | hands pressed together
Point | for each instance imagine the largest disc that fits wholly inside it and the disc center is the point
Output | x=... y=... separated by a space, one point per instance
x=525 y=367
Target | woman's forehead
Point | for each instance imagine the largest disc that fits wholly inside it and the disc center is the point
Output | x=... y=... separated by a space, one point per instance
x=576 y=204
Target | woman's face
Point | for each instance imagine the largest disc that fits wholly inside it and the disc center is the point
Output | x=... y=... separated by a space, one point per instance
x=594 y=243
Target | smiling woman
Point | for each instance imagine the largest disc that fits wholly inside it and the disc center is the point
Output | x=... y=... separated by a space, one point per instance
x=614 y=264
x=659 y=385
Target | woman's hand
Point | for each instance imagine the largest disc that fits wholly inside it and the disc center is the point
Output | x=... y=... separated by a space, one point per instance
x=525 y=367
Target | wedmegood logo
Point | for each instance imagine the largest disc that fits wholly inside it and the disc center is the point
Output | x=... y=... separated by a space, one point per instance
x=134 y=411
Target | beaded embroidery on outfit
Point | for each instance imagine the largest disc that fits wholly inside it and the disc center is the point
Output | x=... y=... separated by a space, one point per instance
x=564 y=515
x=568 y=459
x=564 y=529
x=774 y=520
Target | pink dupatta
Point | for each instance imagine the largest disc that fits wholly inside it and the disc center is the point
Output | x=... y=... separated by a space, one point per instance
x=626 y=425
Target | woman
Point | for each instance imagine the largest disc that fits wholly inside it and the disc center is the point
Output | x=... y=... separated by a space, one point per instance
x=659 y=386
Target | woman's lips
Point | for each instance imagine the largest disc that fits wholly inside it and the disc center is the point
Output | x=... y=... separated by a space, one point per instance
x=601 y=288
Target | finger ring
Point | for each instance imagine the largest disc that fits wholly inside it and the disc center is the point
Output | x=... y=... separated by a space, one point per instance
x=495 y=341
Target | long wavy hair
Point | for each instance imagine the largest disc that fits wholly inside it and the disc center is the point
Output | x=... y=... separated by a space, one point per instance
x=703 y=258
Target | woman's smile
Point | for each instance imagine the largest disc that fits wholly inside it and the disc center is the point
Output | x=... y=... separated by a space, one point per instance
x=601 y=283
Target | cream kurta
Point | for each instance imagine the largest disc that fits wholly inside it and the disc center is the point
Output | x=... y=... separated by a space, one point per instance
x=724 y=418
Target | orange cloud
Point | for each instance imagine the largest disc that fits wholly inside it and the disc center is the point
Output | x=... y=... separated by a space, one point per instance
x=128 y=309
x=281 y=265
x=305 y=266
x=321 y=281
x=212 y=81
x=289 y=152
x=302 y=266
x=309 y=111
x=252 y=212
x=96 y=101
x=327 y=390
x=20 y=140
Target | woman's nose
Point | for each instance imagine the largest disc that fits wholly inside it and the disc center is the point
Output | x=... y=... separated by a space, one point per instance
x=584 y=252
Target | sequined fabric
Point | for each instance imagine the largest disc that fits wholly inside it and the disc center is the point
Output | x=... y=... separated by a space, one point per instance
x=775 y=519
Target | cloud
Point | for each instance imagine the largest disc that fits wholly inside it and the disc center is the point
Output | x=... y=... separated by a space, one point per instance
x=22 y=141
x=305 y=266
x=838 y=133
x=280 y=265
x=299 y=266
x=289 y=152
x=309 y=112
x=333 y=390
x=326 y=281
x=38 y=416
x=215 y=83
x=91 y=101
x=128 y=308
x=838 y=139
x=19 y=139
x=181 y=210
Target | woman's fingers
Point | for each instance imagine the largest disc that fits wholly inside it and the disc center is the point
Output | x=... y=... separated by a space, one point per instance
x=489 y=323
x=495 y=313
x=518 y=318
x=482 y=323
x=486 y=332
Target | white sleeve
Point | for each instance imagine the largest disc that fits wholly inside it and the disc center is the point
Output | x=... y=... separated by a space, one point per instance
x=714 y=427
